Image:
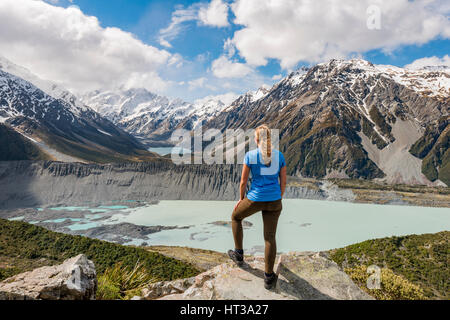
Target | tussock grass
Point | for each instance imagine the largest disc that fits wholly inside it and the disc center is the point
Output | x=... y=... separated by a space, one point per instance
x=121 y=282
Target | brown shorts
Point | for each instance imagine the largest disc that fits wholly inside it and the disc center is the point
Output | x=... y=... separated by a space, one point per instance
x=248 y=207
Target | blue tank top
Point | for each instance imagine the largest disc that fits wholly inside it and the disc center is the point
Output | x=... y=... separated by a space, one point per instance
x=265 y=178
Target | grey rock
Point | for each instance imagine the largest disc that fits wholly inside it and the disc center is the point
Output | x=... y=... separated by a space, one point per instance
x=334 y=193
x=74 y=279
x=123 y=229
x=34 y=184
x=313 y=276
x=164 y=288
x=293 y=192
x=302 y=276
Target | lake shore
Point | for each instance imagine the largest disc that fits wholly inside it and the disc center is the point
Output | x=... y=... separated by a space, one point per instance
x=305 y=225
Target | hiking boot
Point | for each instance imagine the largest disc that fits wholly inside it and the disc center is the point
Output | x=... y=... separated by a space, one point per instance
x=271 y=281
x=236 y=257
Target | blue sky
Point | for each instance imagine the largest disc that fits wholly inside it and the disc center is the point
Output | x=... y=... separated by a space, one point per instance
x=221 y=47
x=145 y=18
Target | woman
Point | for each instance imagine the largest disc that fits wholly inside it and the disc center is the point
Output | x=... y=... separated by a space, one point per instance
x=268 y=169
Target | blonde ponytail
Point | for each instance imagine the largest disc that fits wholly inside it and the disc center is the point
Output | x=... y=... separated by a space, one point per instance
x=264 y=140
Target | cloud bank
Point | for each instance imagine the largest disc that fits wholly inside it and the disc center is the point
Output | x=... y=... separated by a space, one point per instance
x=73 y=49
x=215 y=14
x=430 y=62
x=314 y=31
x=225 y=68
x=66 y=46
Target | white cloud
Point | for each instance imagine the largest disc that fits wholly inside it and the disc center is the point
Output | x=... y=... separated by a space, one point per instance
x=222 y=67
x=176 y=60
x=226 y=98
x=66 y=46
x=277 y=77
x=229 y=48
x=179 y=16
x=313 y=31
x=430 y=61
x=215 y=14
x=197 y=83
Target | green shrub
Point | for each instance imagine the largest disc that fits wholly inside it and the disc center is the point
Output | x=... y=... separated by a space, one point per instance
x=7 y=272
x=429 y=168
x=392 y=286
x=420 y=259
x=26 y=242
x=121 y=282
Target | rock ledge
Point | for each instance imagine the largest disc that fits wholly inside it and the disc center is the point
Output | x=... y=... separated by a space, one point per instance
x=302 y=276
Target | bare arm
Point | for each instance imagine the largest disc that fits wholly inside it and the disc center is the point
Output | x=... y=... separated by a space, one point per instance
x=243 y=184
x=283 y=180
x=244 y=180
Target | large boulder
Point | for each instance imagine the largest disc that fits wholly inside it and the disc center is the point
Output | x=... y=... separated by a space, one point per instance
x=302 y=276
x=74 y=279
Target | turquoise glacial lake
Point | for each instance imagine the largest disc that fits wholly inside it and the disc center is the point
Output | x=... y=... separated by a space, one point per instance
x=304 y=224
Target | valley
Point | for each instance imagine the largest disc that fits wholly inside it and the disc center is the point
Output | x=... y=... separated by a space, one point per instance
x=148 y=203
x=249 y=150
x=347 y=119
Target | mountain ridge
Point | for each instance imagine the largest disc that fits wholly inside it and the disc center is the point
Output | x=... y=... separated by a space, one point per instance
x=342 y=118
x=323 y=111
x=151 y=116
x=61 y=124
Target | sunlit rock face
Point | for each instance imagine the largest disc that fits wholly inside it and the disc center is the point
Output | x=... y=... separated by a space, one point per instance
x=302 y=276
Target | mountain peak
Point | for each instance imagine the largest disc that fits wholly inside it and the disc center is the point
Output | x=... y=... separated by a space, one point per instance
x=355 y=63
x=49 y=87
x=142 y=112
x=138 y=91
x=255 y=95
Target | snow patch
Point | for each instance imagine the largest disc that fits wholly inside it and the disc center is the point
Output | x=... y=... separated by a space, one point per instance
x=50 y=88
x=104 y=132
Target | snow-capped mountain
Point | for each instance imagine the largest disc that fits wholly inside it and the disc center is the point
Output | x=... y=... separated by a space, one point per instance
x=250 y=97
x=149 y=116
x=432 y=80
x=56 y=121
x=49 y=87
x=126 y=104
x=350 y=118
x=343 y=118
